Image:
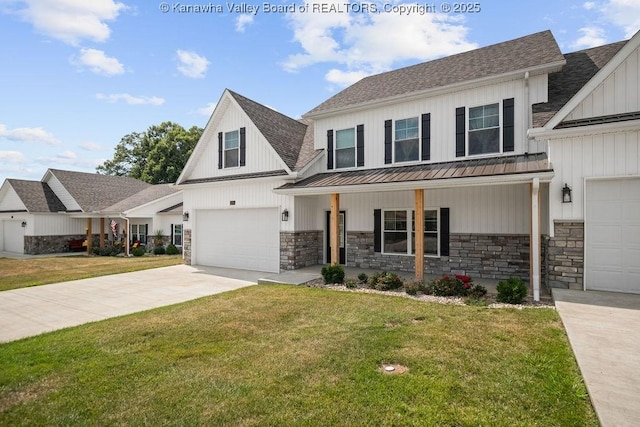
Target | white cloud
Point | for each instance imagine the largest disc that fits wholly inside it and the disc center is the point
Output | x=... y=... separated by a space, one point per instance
x=90 y=146
x=191 y=64
x=100 y=63
x=591 y=37
x=207 y=110
x=69 y=155
x=130 y=99
x=624 y=14
x=242 y=21
x=589 y=5
x=344 y=78
x=28 y=135
x=368 y=43
x=71 y=21
x=12 y=157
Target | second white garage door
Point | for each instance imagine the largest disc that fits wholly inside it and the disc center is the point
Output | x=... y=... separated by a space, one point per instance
x=612 y=235
x=12 y=236
x=238 y=238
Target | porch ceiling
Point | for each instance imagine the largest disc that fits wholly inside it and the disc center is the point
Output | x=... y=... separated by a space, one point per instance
x=507 y=169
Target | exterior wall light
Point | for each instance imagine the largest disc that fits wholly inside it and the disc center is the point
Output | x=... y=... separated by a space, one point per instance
x=566 y=194
x=185 y=216
x=285 y=215
x=24 y=224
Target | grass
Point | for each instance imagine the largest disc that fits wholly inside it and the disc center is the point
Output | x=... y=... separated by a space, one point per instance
x=298 y=356
x=22 y=273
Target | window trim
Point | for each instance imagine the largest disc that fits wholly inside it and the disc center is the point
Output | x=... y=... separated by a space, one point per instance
x=500 y=128
x=174 y=234
x=336 y=149
x=410 y=231
x=225 y=149
x=418 y=138
x=137 y=233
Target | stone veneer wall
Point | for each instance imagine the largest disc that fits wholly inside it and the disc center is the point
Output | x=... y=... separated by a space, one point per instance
x=478 y=255
x=186 y=245
x=300 y=249
x=37 y=245
x=565 y=255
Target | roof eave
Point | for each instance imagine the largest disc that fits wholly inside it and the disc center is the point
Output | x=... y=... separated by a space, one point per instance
x=455 y=87
x=543 y=133
x=514 y=178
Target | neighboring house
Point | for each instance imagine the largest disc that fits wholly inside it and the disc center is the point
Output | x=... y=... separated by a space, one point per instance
x=593 y=137
x=39 y=217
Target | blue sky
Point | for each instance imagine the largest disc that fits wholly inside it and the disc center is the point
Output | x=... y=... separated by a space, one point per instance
x=76 y=75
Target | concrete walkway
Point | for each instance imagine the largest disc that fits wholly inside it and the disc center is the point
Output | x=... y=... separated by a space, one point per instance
x=604 y=332
x=31 y=311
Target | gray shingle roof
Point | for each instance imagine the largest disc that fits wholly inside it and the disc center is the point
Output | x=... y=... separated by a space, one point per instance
x=175 y=209
x=37 y=196
x=307 y=151
x=581 y=66
x=140 y=198
x=94 y=192
x=285 y=134
x=520 y=54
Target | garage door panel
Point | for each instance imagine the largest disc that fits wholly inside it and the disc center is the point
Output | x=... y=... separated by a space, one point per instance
x=239 y=238
x=612 y=235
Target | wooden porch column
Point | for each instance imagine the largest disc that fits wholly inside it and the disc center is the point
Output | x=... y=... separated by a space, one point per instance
x=534 y=240
x=89 y=235
x=101 y=233
x=335 y=230
x=419 y=212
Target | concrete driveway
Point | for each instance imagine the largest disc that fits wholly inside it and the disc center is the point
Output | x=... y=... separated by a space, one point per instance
x=31 y=311
x=604 y=332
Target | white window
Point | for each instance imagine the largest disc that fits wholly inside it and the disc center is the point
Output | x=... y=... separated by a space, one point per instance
x=407 y=145
x=231 y=149
x=396 y=233
x=345 y=148
x=177 y=234
x=138 y=233
x=484 y=130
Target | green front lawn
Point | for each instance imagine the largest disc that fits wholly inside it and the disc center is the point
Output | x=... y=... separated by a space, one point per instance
x=21 y=273
x=287 y=356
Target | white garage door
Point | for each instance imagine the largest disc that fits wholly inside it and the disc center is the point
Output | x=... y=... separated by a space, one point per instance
x=238 y=238
x=12 y=236
x=612 y=245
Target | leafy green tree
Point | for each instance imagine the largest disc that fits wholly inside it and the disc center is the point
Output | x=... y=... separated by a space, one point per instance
x=156 y=156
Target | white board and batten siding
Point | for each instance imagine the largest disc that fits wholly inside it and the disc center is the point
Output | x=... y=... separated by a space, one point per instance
x=443 y=119
x=260 y=157
x=618 y=93
x=10 y=201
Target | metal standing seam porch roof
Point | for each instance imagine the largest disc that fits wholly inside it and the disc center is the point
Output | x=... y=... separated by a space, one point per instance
x=475 y=168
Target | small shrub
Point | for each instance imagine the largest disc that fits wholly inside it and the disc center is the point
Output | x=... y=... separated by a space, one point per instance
x=385 y=281
x=448 y=286
x=511 y=291
x=138 y=251
x=172 y=249
x=159 y=250
x=477 y=291
x=333 y=273
x=413 y=288
x=362 y=277
x=351 y=284
x=110 y=250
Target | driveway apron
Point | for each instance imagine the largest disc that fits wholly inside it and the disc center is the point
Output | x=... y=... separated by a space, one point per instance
x=31 y=311
x=603 y=329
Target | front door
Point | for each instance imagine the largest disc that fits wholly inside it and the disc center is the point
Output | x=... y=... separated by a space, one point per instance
x=341 y=232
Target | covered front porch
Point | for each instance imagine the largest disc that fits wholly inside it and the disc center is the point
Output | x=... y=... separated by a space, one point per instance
x=480 y=218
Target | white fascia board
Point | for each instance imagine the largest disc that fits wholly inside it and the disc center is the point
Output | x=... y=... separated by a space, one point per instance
x=595 y=81
x=316 y=159
x=543 y=134
x=160 y=199
x=427 y=185
x=455 y=87
x=235 y=181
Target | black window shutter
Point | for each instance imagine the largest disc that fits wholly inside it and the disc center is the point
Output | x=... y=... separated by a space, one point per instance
x=444 y=231
x=388 y=141
x=243 y=146
x=171 y=241
x=460 y=133
x=219 y=150
x=330 y=149
x=360 y=144
x=377 y=230
x=426 y=136
x=508 y=136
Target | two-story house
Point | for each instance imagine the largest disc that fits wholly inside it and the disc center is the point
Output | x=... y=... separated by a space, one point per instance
x=427 y=168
